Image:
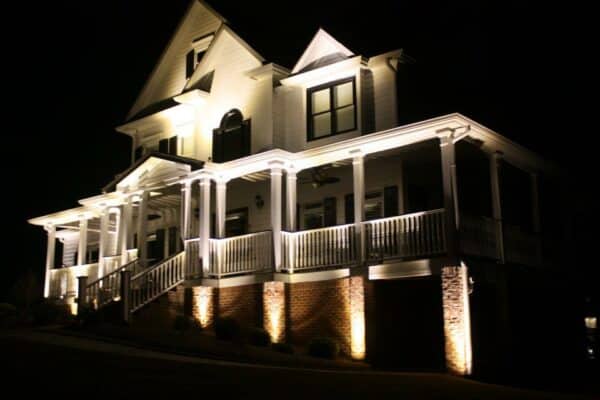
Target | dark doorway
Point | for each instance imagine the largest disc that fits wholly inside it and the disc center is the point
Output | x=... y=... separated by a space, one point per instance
x=408 y=325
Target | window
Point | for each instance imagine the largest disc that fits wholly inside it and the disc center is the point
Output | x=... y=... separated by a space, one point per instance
x=378 y=204
x=236 y=222
x=232 y=139
x=331 y=109
x=320 y=214
x=168 y=146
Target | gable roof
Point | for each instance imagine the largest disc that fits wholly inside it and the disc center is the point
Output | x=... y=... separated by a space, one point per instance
x=202 y=69
x=149 y=162
x=168 y=77
x=322 y=50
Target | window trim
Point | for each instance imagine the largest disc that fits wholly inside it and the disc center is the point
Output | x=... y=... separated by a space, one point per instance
x=309 y=115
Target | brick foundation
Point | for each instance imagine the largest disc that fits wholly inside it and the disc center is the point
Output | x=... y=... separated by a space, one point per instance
x=161 y=312
x=242 y=303
x=319 y=309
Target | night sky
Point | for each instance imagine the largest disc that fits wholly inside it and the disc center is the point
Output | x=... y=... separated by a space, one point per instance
x=75 y=69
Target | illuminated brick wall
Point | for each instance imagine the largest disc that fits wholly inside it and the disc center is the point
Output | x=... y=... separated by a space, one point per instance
x=242 y=303
x=274 y=310
x=203 y=305
x=319 y=309
x=457 y=319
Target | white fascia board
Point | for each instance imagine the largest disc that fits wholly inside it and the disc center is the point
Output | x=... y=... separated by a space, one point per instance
x=102 y=201
x=177 y=115
x=63 y=217
x=194 y=97
x=314 y=276
x=328 y=73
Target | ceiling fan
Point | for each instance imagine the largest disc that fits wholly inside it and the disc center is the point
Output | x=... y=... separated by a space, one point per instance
x=318 y=177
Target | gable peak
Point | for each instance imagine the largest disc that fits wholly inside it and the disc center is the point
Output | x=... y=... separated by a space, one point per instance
x=321 y=46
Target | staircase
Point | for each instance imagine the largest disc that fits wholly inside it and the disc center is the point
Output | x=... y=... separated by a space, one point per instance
x=145 y=284
x=107 y=289
x=156 y=280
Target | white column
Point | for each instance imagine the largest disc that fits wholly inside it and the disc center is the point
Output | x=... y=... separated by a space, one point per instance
x=290 y=209
x=115 y=238
x=358 y=174
x=204 y=222
x=449 y=184
x=535 y=203
x=185 y=210
x=103 y=241
x=82 y=248
x=495 y=160
x=221 y=207
x=276 y=172
x=49 y=257
x=125 y=230
x=143 y=228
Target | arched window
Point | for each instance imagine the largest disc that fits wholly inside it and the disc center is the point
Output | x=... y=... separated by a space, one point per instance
x=232 y=139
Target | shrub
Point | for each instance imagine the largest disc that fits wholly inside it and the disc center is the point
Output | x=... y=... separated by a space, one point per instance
x=8 y=315
x=183 y=323
x=227 y=329
x=323 y=347
x=283 y=348
x=259 y=337
x=48 y=312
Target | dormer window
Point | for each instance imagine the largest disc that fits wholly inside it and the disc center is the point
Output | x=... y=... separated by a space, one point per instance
x=331 y=109
x=196 y=54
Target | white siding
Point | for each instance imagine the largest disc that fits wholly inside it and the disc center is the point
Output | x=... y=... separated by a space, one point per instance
x=386 y=106
x=168 y=78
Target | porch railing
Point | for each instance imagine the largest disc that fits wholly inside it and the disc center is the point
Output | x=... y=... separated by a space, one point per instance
x=193 y=268
x=241 y=254
x=478 y=236
x=107 y=288
x=521 y=247
x=317 y=248
x=406 y=236
x=63 y=281
x=156 y=280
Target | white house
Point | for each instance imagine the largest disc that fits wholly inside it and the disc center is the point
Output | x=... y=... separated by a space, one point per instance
x=248 y=176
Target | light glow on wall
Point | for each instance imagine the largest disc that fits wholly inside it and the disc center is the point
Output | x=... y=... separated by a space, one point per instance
x=591 y=322
x=274 y=310
x=204 y=305
x=457 y=319
x=357 y=318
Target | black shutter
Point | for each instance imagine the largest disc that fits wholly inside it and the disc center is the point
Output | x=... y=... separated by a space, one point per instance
x=159 y=243
x=173 y=145
x=329 y=211
x=217 y=151
x=190 y=64
x=212 y=225
x=173 y=236
x=139 y=151
x=246 y=138
x=163 y=146
x=390 y=201
x=349 y=208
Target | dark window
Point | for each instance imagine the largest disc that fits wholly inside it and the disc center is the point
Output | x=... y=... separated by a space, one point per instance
x=331 y=109
x=236 y=222
x=390 y=201
x=377 y=204
x=173 y=237
x=349 y=208
x=192 y=59
x=139 y=152
x=313 y=215
x=329 y=211
x=168 y=146
x=232 y=139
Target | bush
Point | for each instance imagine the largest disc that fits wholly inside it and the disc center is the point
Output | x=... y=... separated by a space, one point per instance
x=259 y=337
x=8 y=315
x=48 y=312
x=323 y=348
x=283 y=348
x=227 y=329
x=183 y=323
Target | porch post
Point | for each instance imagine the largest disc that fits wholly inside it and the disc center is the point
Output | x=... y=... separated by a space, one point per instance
x=125 y=230
x=204 y=222
x=102 y=245
x=143 y=228
x=82 y=248
x=495 y=160
x=221 y=207
x=276 y=172
x=449 y=186
x=535 y=203
x=358 y=173
x=290 y=209
x=51 y=229
x=185 y=210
